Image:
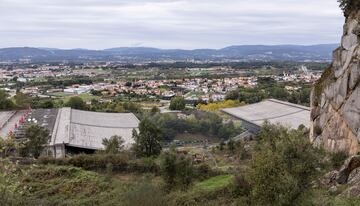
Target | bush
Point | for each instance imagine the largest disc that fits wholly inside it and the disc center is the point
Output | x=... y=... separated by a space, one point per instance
x=283 y=166
x=36 y=137
x=76 y=103
x=219 y=105
x=204 y=171
x=113 y=145
x=95 y=162
x=177 y=103
x=177 y=170
x=148 y=140
x=241 y=186
x=184 y=170
x=118 y=162
x=144 y=194
x=101 y=162
x=338 y=159
x=206 y=198
x=144 y=165
x=349 y=5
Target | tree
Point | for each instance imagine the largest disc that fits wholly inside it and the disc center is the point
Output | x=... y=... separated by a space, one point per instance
x=168 y=168
x=48 y=104
x=119 y=108
x=231 y=146
x=232 y=95
x=348 y=5
x=147 y=141
x=283 y=166
x=5 y=103
x=176 y=170
x=177 y=103
x=113 y=145
x=228 y=130
x=154 y=110
x=7 y=146
x=344 y=3
x=37 y=102
x=95 y=92
x=184 y=169
x=36 y=139
x=132 y=107
x=22 y=100
x=76 y=103
x=221 y=145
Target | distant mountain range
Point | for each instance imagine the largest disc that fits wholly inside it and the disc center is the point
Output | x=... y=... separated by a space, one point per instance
x=321 y=52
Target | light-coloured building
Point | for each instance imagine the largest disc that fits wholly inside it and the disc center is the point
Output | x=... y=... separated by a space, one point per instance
x=86 y=130
x=272 y=110
x=71 y=131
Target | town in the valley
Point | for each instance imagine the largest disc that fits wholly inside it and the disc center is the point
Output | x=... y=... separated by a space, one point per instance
x=180 y=103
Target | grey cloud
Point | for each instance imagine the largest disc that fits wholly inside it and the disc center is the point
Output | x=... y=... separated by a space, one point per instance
x=167 y=23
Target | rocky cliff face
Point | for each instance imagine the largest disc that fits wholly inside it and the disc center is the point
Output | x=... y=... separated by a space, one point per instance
x=335 y=98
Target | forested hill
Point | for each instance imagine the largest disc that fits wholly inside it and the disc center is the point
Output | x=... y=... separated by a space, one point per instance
x=244 y=52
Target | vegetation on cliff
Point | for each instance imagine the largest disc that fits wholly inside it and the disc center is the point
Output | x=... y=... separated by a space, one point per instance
x=349 y=5
x=327 y=77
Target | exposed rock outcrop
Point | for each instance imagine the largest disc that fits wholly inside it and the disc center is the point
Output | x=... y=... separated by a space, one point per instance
x=349 y=176
x=350 y=165
x=335 y=99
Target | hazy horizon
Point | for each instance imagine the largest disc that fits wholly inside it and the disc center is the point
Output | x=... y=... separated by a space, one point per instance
x=170 y=48
x=167 y=24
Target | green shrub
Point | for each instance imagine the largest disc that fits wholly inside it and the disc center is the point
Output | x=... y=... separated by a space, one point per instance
x=283 y=166
x=144 y=194
x=93 y=162
x=119 y=162
x=204 y=171
x=144 y=165
x=241 y=186
x=338 y=159
x=327 y=76
x=113 y=145
x=76 y=103
x=36 y=137
x=177 y=170
x=177 y=103
x=222 y=196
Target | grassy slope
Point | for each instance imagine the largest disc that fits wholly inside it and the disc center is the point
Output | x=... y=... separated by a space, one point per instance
x=67 y=185
x=58 y=185
x=214 y=183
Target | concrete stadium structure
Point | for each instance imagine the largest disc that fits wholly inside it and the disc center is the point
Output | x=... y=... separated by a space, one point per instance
x=254 y=115
x=86 y=130
x=71 y=131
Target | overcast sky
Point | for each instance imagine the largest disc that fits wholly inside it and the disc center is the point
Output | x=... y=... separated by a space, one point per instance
x=188 y=24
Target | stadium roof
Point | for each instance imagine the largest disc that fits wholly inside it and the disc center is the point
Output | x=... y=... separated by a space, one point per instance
x=275 y=111
x=85 y=129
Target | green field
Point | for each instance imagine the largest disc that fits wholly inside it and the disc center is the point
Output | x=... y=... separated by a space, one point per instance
x=214 y=183
x=66 y=96
x=86 y=97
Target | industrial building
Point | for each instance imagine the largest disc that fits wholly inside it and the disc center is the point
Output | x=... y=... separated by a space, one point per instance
x=276 y=112
x=71 y=131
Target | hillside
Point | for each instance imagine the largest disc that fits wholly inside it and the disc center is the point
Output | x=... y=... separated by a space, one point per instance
x=244 y=52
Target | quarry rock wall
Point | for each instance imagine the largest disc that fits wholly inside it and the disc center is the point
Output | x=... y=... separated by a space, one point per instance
x=335 y=99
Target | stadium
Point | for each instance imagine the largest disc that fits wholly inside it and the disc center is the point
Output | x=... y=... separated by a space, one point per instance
x=71 y=131
x=276 y=112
